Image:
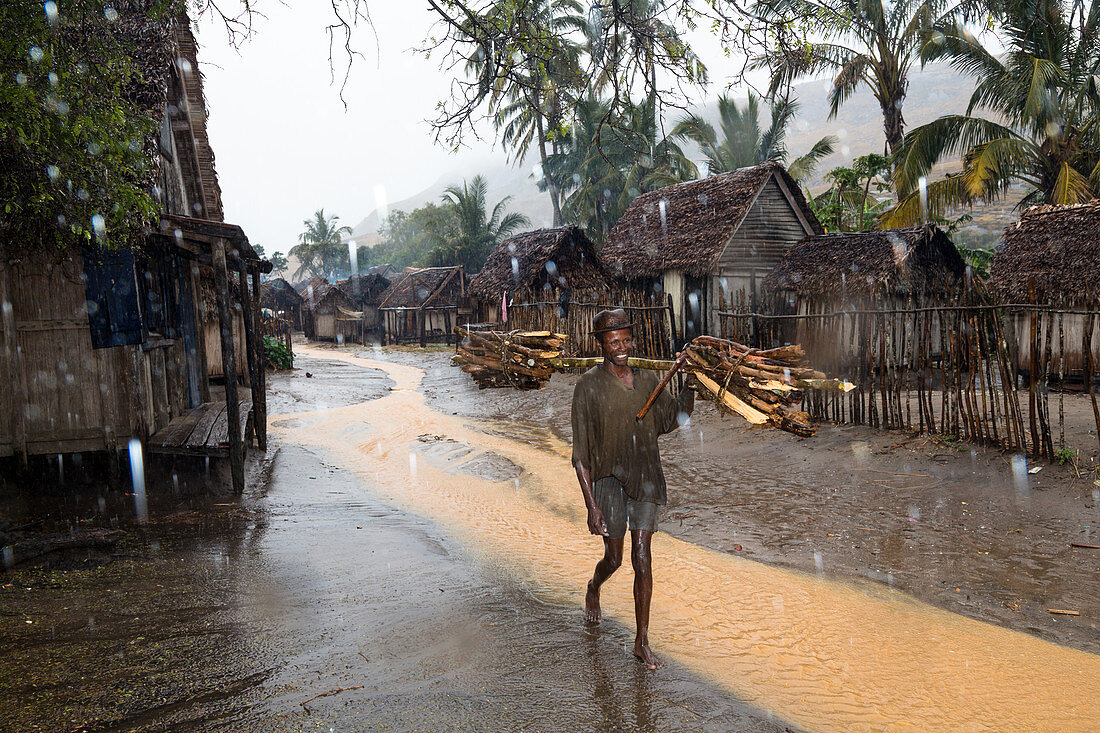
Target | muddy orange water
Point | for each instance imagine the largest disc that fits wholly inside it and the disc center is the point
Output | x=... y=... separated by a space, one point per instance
x=820 y=653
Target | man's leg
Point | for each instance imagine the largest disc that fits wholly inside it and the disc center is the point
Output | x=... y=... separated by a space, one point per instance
x=643 y=593
x=612 y=559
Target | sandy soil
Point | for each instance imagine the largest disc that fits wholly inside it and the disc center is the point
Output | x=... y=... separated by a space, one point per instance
x=226 y=614
x=951 y=524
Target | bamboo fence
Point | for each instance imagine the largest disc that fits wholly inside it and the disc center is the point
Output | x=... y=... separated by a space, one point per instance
x=534 y=310
x=970 y=370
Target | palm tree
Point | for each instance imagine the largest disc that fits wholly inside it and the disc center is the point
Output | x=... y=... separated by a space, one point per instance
x=462 y=231
x=322 y=250
x=743 y=143
x=528 y=105
x=863 y=43
x=643 y=41
x=1041 y=129
x=608 y=162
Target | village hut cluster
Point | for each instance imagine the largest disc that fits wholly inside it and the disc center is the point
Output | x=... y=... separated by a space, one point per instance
x=161 y=344
x=742 y=256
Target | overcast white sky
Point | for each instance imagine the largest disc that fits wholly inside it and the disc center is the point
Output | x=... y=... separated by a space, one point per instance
x=285 y=145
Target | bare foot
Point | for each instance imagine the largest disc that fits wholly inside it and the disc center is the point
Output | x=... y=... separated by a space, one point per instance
x=592 y=605
x=646 y=655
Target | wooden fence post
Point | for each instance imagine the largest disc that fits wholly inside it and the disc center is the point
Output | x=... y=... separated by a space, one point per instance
x=259 y=393
x=225 y=323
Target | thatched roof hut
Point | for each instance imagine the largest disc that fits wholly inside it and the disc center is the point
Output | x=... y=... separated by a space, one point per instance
x=705 y=242
x=275 y=292
x=426 y=287
x=562 y=257
x=387 y=271
x=687 y=227
x=364 y=289
x=1054 y=250
x=892 y=262
x=424 y=305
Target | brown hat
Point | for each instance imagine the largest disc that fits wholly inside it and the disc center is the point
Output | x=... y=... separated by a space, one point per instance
x=611 y=320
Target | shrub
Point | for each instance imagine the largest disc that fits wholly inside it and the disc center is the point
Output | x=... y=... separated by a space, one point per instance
x=279 y=355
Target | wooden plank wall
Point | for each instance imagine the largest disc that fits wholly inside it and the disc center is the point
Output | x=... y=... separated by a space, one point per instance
x=73 y=394
x=769 y=229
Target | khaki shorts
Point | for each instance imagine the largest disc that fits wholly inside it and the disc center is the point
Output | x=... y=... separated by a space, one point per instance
x=620 y=511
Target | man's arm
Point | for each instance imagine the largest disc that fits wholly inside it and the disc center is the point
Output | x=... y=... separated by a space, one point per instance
x=597 y=523
x=581 y=418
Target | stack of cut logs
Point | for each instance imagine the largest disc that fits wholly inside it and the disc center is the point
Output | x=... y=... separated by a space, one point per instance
x=519 y=359
x=759 y=385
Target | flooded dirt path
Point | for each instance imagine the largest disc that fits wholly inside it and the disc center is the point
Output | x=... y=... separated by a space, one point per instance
x=824 y=654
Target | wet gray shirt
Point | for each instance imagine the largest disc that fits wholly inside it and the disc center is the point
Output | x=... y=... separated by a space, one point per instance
x=609 y=441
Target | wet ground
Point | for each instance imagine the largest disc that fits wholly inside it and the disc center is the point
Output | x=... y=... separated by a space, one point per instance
x=425 y=571
x=227 y=615
x=963 y=528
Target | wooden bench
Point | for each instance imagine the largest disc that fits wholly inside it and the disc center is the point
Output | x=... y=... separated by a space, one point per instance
x=203 y=431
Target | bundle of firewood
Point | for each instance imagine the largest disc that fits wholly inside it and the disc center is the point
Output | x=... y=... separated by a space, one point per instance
x=518 y=359
x=760 y=385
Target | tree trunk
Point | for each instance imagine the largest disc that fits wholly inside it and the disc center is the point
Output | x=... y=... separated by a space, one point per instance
x=893 y=123
x=551 y=186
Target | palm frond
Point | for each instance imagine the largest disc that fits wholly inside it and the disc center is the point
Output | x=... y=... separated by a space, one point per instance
x=941 y=197
x=804 y=165
x=1070 y=187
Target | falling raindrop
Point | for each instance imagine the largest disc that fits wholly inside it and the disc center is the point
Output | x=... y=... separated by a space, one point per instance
x=515 y=269
x=36 y=54
x=412 y=465
x=98 y=225
x=52 y=77
x=110 y=13
x=551 y=268
x=137 y=477
x=353 y=256
x=20 y=78
x=819 y=561
x=1019 y=475
x=51 y=10
x=663 y=206
x=9 y=556
x=923 y=185
x=53 y=172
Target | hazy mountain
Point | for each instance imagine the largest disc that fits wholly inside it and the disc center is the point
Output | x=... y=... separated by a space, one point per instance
x=933 y=91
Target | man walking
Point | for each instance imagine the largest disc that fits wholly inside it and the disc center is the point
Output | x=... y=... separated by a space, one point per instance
x=619 y=466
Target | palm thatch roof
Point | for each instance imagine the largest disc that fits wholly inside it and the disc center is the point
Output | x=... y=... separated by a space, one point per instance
x=429 y=286
x=1054 y=250
x=386 y=271
x=322 y=294
x=364 y=289
x=915 y=260
x=313 y=282
x=687 y=226
x=278 y=292
x=204 y=192
x=560 y=257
